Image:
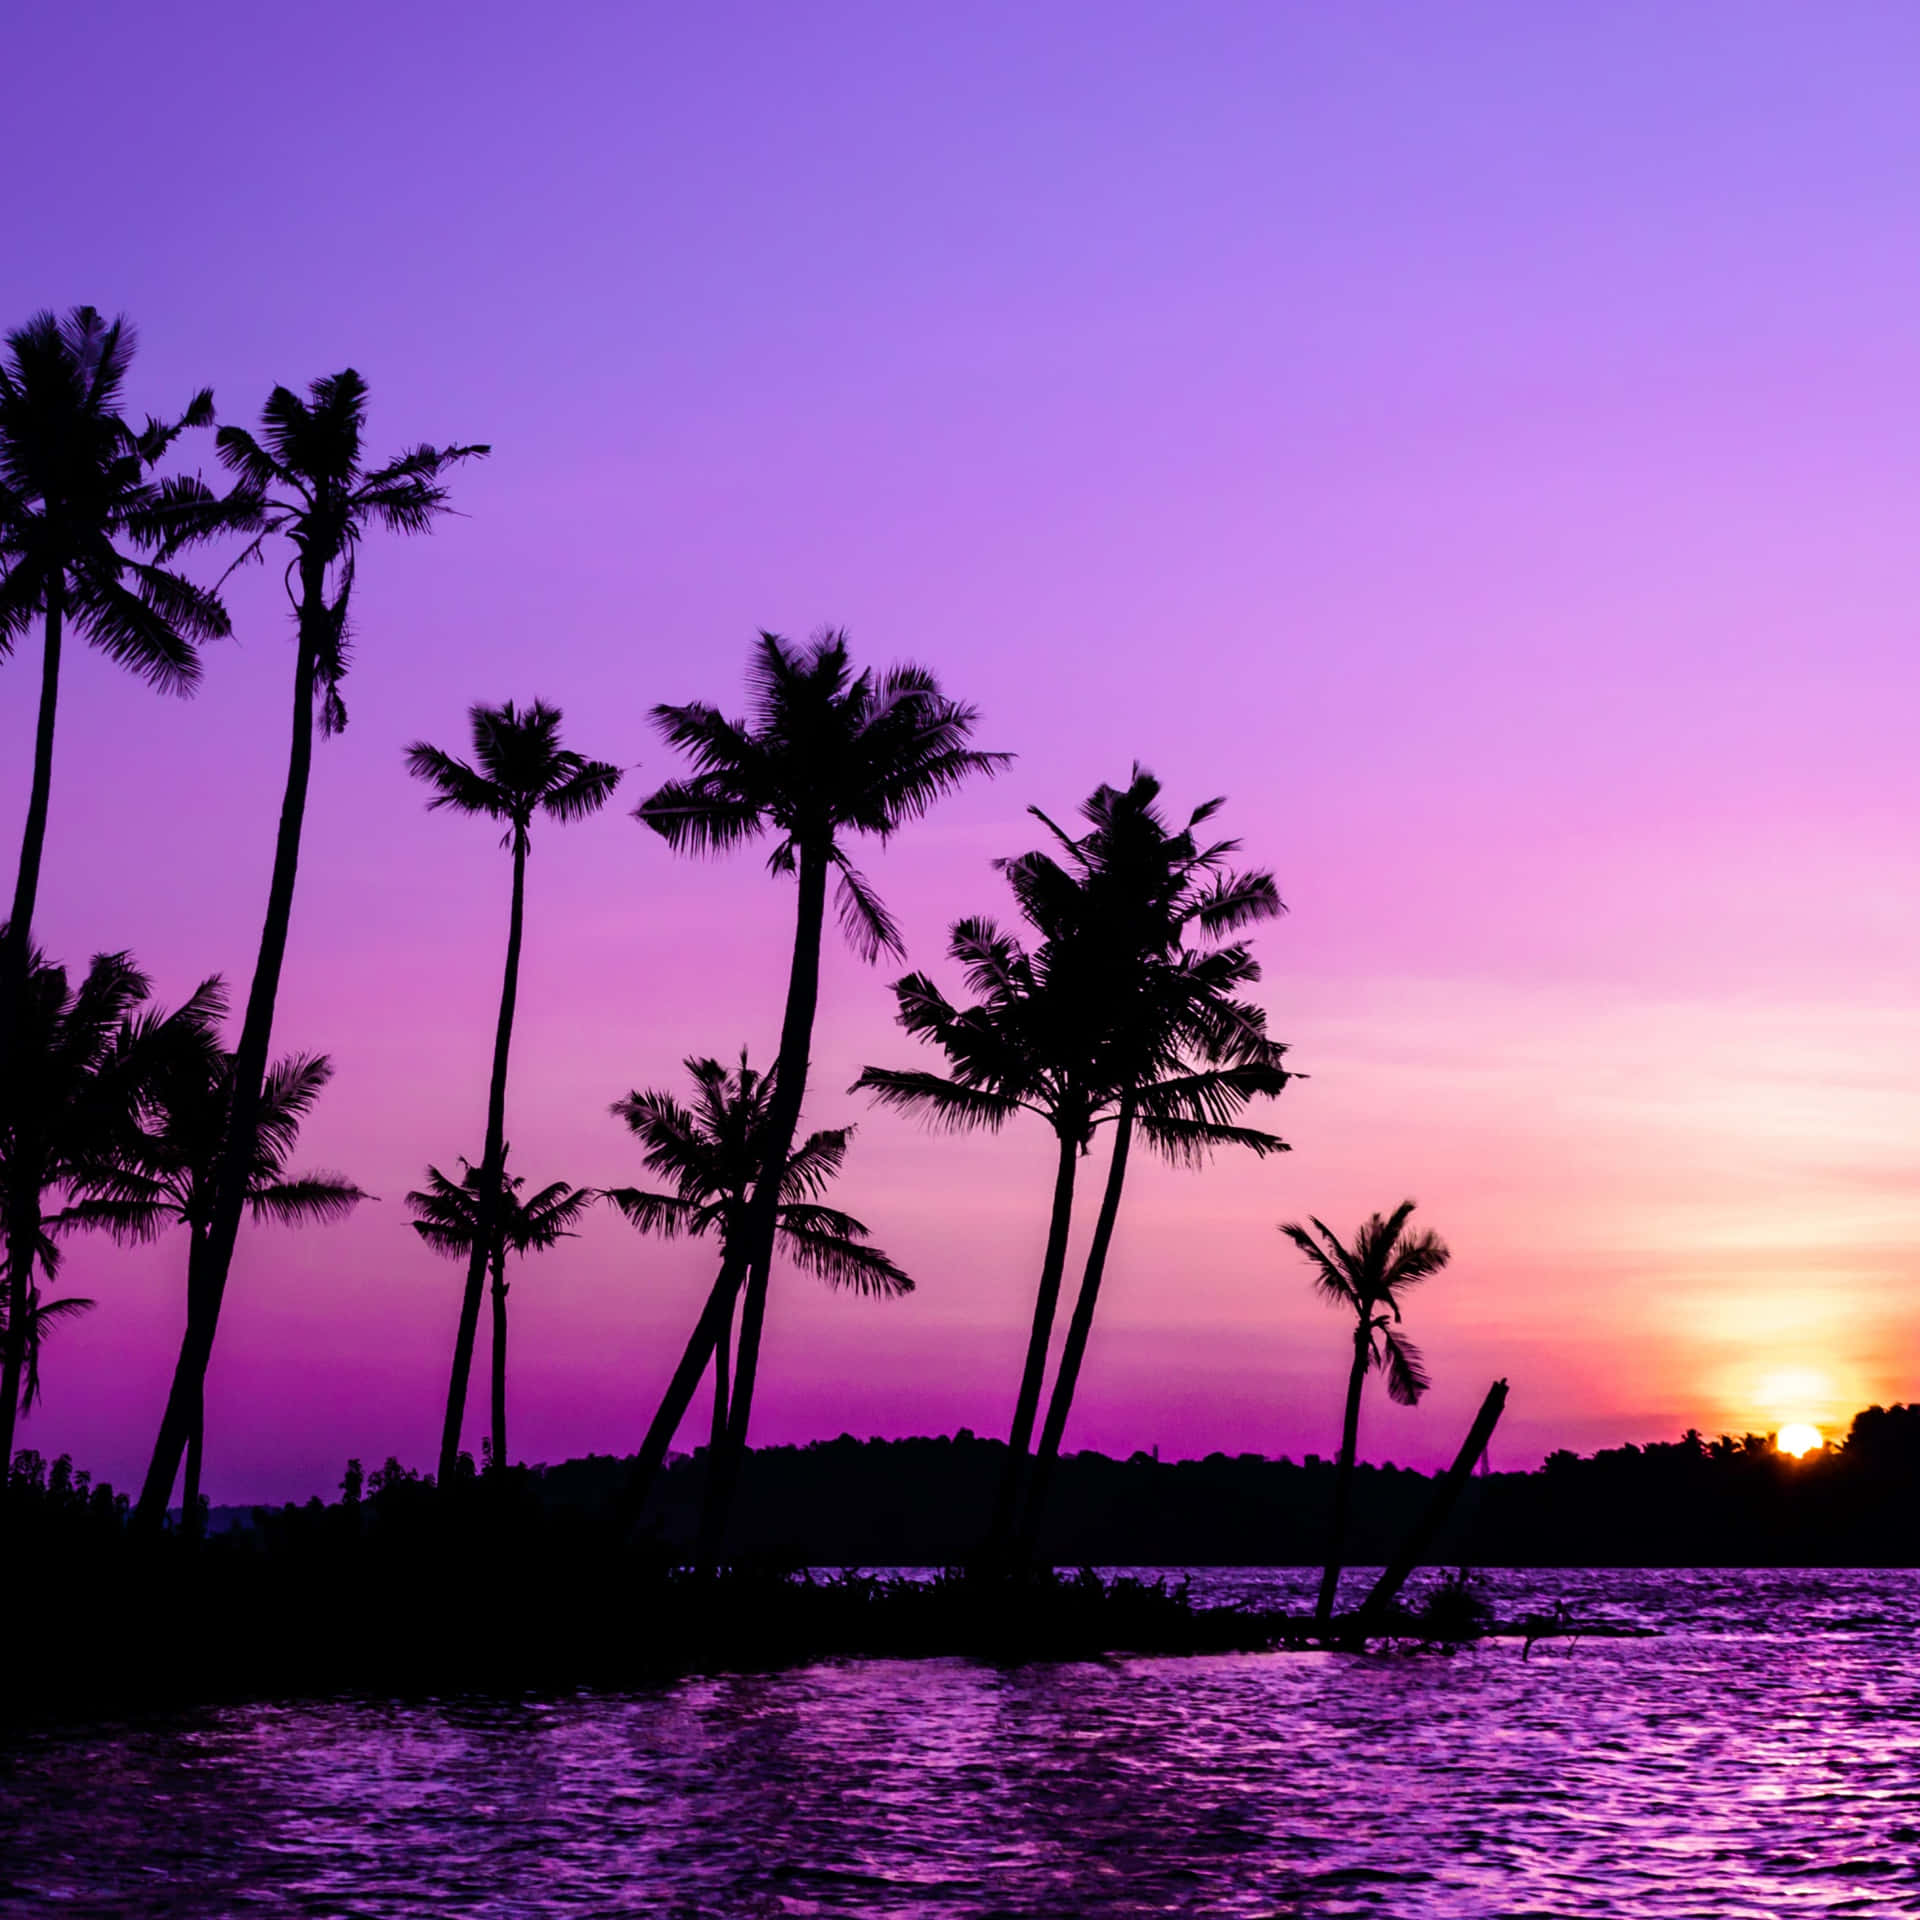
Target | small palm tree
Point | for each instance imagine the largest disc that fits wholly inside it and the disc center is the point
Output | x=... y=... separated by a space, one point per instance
x=86 y=532
x=168 y=1181
x=86 y=1066
x=304 y=478
x=1368 y=1279
x=713 y=1153
x=38 y=1321
x=519 y=769
x=457 y=1217
x=827 y=754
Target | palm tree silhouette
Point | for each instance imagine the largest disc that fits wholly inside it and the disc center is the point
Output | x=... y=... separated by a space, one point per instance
x=519 y=769
x=168 y=1180
x=1131 y=910
x=86 y=1065
x=713 y=1152
x=79 y=507
x=827 y=754
x=1368 y=1279
x=38 y=1320
x=458 y=1217
x=1028 y=1044
x=304 y=478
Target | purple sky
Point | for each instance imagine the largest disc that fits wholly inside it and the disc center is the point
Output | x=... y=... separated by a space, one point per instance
x=1480 y=441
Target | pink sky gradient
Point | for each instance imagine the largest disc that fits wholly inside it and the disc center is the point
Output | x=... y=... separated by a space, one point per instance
x=1480 y=441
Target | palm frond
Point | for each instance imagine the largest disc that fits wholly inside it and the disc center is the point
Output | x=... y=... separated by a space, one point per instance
x=1406 y=1370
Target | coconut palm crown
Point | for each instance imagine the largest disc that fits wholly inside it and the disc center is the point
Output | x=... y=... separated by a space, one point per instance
x=519 y=768
x=304 y=476
x=713 y=1152
x=828 y=753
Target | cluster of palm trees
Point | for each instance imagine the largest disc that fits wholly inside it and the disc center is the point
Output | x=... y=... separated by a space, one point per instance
x=1116 y=1001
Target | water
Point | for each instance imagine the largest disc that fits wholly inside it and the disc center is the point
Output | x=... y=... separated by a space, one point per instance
x=1761 y=1757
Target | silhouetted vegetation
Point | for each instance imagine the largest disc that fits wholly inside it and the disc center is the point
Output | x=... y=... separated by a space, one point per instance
x=373 y=1590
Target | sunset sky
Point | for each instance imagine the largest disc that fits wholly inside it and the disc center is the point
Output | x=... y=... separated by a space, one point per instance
x=1482 y=442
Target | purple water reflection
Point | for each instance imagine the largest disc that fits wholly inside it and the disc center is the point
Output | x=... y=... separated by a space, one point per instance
x=1762 y=1757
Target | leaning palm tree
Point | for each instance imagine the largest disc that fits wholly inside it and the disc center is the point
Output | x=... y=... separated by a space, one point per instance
x=86 y=532
x=827 y=754
x=168 y=1181
x=1134 y=910
x=713 y=1152
x=304 y=478
x=87 y=1063
x=457 y=1217
x=1368 y=1279
x=519 y=769
x=1028 y=1044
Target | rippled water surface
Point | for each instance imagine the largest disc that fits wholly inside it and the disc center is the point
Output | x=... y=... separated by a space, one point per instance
x=1761 y=1757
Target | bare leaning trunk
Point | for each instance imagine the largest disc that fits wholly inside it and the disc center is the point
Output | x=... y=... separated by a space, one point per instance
x=763 y=1209
x=1446 y=1490
x=716 y=1317
x=1078 y=1328
x=492 y=1164
x=499 y=1357
x=1343 y=1473
x=233 y=1174
x=717 y=1434
x=1046 y=1306
x=26 y=886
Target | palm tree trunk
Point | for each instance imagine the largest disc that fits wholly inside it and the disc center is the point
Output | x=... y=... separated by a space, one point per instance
x=1078 y=1328
x=716 y=1320
x=718 y=1434
x=1046 y=1306
x=500 y=1359
x=492 y=1164
x=1343 y=1474
x=190 y=1481
x=763 y=1209
x=233 y=1175
x=13 y=1349
x=26 y=886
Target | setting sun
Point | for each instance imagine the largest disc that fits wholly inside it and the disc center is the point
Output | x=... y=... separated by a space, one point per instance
x=1798 y=1439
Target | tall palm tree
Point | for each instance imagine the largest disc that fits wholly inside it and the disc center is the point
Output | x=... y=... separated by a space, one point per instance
x=87 y=1063
x=456 y=1217
x=713 y=1152
x=1030 y=1044
x=1134 y=909
x=168 y=1181
x=519 y=769
x=827 y=754
x=303 y=478
x=1368 y=1279
x=86 y=532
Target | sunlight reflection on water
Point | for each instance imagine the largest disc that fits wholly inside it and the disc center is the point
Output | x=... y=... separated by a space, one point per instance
x=1761 y=1758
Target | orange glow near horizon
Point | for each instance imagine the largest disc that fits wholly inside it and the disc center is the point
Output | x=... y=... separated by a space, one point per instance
x=1799 y=1439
